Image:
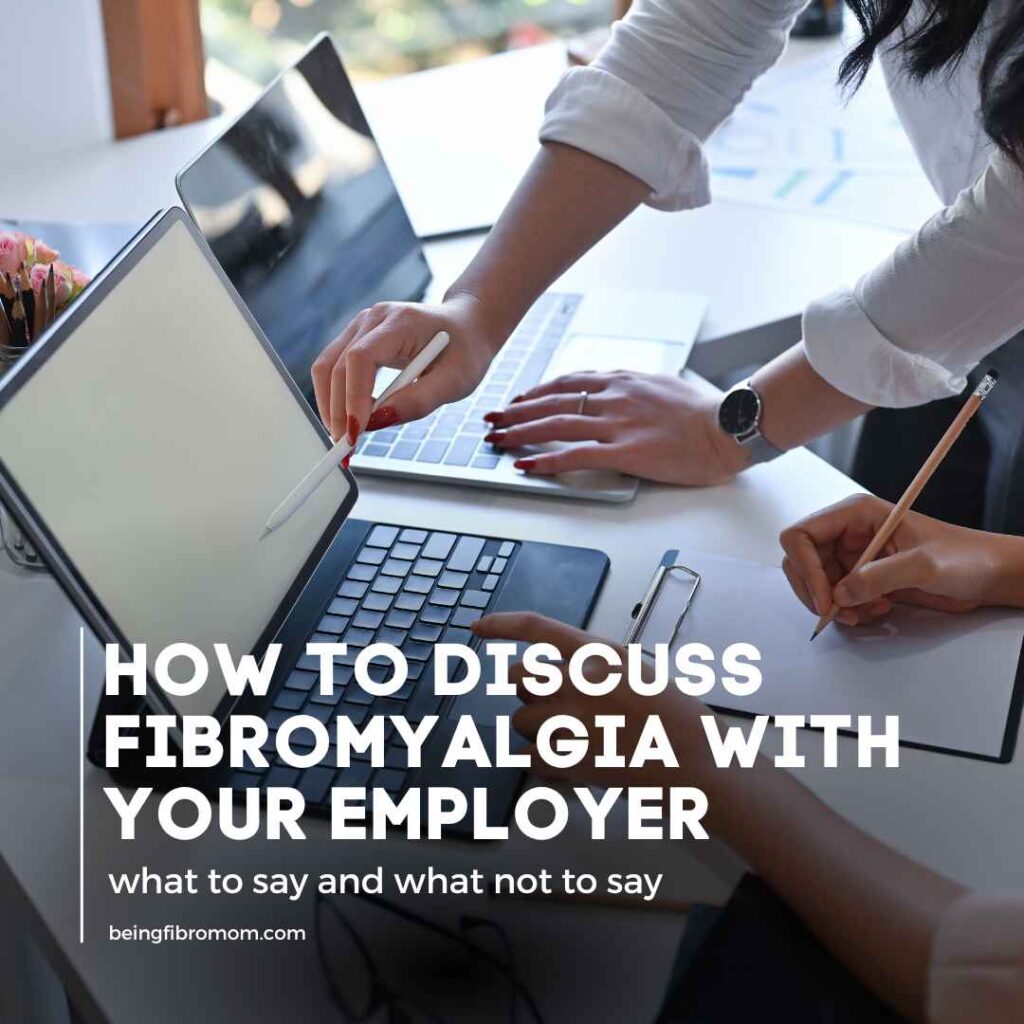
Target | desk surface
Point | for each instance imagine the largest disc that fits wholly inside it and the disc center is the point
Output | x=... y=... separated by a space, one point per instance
x=755 y=265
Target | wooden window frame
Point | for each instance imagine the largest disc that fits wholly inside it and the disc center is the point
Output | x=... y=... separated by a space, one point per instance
x=156 y=64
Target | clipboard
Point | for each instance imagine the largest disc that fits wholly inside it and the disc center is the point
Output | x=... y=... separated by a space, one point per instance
x=912 y=664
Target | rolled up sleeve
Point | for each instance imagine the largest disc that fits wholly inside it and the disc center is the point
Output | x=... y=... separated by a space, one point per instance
x=977 y=965
x=672 y=72
x=912 y=328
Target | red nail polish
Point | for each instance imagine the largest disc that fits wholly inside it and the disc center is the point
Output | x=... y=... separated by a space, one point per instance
x=526 y=464
x=345 y=461
x=492 y=417
x=384 y=417
x=353 y=430
x=495 y=437
x=518 y=398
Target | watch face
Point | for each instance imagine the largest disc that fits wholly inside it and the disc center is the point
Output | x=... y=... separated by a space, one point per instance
x=738 y=412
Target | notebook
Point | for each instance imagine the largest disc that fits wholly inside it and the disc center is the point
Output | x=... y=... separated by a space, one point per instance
x=956 y=681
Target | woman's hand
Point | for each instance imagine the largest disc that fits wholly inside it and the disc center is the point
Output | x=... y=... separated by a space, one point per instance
x=658 y=427
x=390 y=334
x=679 y=714
x=926 y=562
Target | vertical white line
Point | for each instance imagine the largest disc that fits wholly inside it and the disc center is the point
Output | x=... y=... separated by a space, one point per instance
x=81 y=785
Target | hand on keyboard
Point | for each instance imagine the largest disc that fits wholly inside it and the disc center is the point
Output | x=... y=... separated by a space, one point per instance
x=390 y=334
x=657 y=427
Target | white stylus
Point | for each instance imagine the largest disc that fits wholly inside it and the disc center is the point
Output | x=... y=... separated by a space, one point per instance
x=323 y=469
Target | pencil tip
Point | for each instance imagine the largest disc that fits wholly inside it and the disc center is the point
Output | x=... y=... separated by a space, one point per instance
x=266 y=532
x=814 y=636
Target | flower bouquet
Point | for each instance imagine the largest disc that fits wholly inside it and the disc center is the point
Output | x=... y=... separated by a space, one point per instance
x=35 y=285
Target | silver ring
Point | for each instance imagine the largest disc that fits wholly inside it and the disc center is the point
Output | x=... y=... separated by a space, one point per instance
x=584 y=395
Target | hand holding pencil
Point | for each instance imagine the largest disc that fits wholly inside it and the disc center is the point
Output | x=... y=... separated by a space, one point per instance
x=857 y=559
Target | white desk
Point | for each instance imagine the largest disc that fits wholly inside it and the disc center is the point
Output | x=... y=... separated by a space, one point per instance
x=961 y=817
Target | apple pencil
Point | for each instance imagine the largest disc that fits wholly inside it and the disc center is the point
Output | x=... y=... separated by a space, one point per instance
x=323 y=469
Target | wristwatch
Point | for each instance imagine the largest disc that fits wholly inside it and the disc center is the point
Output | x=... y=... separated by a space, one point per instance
x=739 y=416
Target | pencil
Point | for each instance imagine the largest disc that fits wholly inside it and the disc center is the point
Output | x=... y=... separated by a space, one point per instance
x=924 y=474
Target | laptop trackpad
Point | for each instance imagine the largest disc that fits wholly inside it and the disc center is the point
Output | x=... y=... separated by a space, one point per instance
x=604 y=353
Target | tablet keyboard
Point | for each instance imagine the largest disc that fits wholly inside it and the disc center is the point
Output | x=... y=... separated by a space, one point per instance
x=454 y=434
x=406 y=587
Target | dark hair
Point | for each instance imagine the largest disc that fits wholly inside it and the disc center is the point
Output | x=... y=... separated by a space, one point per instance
x=938 y=43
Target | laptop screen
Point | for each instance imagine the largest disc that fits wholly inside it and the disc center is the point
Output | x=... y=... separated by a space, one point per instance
x=154 y=442
x=298 y=206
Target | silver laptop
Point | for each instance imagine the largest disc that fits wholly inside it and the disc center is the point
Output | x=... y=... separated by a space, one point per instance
x=296 y=202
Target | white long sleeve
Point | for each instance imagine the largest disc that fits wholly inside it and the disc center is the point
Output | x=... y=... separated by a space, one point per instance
x=913 y=327
x=672 y=72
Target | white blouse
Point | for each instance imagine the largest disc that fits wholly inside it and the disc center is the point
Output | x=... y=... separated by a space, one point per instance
x=913 y=327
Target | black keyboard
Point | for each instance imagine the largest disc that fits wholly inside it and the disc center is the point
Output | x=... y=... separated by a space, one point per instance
x=406 y=587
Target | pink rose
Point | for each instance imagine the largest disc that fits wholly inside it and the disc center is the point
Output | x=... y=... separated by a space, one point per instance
x=42 y=253
x=12 y=251
x=62 y=280
x=79 y=281
x=37 y=276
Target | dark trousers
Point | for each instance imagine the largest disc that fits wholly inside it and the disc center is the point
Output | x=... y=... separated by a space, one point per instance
x=981 y=482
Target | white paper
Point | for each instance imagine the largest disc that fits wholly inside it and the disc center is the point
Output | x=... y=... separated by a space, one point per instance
x=950 y=678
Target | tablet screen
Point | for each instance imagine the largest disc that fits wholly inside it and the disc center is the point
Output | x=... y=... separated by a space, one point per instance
x=154 y=442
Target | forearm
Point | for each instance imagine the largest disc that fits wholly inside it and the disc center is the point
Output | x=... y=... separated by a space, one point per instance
x=876 y=910
x=799 y=404
x=567 y=202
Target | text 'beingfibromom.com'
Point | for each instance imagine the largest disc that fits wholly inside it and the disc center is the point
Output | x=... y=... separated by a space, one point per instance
x=203 y=741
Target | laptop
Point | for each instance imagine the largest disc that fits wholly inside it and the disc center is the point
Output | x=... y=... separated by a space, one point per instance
x=143 y=442
x=296 y=202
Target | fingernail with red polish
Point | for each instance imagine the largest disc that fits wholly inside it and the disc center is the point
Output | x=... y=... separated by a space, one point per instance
x=353 y=430
x=492 y=417
x=384 y=417
x=518 y=398
x=526 y=464
x=345 y=461
x=495 y=437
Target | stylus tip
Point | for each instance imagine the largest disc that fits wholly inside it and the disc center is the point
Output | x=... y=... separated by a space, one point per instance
x=266 y=532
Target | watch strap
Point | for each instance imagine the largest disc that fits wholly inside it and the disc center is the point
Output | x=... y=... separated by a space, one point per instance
x=758 y=447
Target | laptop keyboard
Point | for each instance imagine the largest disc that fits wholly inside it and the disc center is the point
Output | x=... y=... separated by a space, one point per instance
x=406 y=587
x=453 y=435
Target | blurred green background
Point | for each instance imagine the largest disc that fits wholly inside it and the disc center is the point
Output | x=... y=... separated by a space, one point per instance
x=248 y=41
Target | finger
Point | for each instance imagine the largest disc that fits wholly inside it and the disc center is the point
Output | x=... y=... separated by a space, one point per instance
x=861 y=513
x=902 y=571
x=586 y=380
x=528 y=409
x=323 y=368
x=806 y=563
x=865 y=614
x=379 y=345
x=554 y=428
x=529 y=627
x=435 y=387
x=581 y=456
x=530 y=717
x=797 y=583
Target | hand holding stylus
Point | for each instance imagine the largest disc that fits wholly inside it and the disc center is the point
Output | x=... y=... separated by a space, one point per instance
x=300 y=494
